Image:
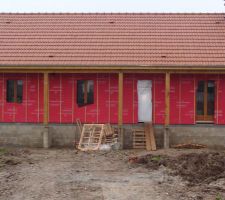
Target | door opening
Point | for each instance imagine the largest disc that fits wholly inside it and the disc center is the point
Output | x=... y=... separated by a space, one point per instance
x=144 y=88
x=205 y=101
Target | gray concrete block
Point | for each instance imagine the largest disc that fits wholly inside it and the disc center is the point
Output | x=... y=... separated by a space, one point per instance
x=31 y=135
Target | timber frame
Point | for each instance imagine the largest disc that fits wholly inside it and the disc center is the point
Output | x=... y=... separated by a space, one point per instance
x=120 y=70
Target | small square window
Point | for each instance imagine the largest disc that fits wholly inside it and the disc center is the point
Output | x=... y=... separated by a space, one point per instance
x=85 y=92
x=14 y=91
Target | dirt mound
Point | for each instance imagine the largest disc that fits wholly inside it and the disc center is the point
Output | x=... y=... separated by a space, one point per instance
x=195 y=167
x=12 y=156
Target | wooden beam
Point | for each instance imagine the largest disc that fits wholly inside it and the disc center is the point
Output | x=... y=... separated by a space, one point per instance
x=120 y=99
x=111 y=70
x=46 y=98
x=167 y=99
x=167 y=111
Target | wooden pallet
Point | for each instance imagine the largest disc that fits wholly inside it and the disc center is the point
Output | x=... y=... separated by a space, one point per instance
x=91 y=137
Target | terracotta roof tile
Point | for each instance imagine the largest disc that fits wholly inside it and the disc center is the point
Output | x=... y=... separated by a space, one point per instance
x=112 y=39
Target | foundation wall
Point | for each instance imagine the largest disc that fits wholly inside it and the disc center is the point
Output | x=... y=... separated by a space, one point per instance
x=21 y=135
x=31 y=135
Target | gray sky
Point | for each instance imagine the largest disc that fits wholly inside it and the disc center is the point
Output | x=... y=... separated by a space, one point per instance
x=112 y=6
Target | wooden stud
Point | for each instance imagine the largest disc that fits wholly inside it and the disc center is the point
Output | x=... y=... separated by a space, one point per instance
x=167 y=99
x=120 y=99
x=46 y=98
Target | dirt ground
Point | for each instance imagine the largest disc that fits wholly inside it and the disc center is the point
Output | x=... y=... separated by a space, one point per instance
x=57 y=174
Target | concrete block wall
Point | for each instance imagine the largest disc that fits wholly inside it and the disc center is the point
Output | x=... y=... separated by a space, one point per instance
x=64 y=135
x=21 y=135
x=210 y=135
x=32 y=135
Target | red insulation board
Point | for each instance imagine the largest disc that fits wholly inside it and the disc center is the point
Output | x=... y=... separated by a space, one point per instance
x=63 y=97
x=63 y=91
x=31 y=108
x=182 y=99
x=63 y=107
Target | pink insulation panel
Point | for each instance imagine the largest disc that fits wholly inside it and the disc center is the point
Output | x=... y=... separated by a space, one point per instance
x=63 y=106
x=182 y=99
x=31 y=108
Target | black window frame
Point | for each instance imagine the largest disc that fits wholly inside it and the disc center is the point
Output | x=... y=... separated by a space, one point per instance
x=85 y=92
x=14 y=91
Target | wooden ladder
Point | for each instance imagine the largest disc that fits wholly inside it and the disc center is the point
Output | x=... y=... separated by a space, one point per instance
x=91 y=137
x=143 y=138
x=139 y=138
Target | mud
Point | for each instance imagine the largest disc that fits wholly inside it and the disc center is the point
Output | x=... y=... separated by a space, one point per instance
x=58 y=174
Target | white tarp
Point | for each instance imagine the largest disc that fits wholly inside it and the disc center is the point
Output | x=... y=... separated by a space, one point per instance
x=144 y=88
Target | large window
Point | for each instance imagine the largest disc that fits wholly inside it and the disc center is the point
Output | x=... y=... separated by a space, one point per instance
x=85 y=92
x=205 y=100
x=14 y=91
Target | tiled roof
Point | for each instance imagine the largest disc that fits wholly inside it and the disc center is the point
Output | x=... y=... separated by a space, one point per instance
x=112 y=39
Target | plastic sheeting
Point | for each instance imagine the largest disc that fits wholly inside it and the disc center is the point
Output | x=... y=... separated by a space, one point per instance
x=144 y=100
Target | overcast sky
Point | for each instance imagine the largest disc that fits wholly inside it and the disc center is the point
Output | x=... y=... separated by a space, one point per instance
x=112 y=6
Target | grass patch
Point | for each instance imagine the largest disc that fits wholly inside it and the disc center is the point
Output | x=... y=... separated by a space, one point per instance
x=156 y=158
x=2 y=151
x=218 y=197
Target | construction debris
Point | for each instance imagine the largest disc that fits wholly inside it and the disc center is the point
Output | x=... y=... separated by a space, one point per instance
x=189 y=146
x=93 y=136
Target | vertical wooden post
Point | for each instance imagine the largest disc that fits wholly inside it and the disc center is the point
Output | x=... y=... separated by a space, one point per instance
x=167 y=110
x=167 y=99
x=120 y=107
x=120 y=100
x=46 y=99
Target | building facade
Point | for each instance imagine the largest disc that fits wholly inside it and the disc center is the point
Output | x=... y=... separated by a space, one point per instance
x=123 y=69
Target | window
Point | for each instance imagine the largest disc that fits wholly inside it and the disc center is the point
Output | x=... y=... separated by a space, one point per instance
x=85 y=92
x=205 y=98
x=14 y=91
